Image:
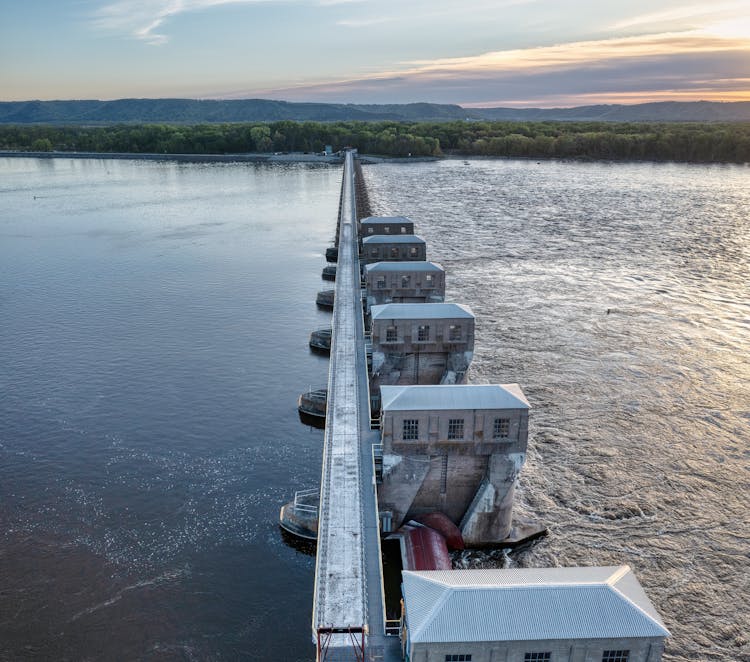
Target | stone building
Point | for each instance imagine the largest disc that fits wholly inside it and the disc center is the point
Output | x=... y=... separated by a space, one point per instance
x=372 y=225
x=404 y=282
x=597 y=614
x=393 y=248
x=455 y=449
x=420 y=343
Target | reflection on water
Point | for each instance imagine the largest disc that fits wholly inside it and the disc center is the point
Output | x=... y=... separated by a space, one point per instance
x=154 y=326
x=154 y=338
x=617 y=296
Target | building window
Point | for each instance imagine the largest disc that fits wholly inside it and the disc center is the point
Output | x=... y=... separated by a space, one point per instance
x=373 y=252
x=411 y=429
x=537 y=657
x=616 y=656
x=428 y=280
x=463 y=657
x=413 y=251
x=391 y=334
x=381 y=283
x=394 y=251
x=454 y=332
x=423 y=332
x=405 y=282
x=455 y=428
x=501 y=430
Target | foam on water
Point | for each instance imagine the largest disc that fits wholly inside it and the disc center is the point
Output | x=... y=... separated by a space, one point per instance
x=617 y=296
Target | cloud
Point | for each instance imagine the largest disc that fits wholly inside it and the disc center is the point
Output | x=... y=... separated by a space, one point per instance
x=692 y=65
x=693 y=16
x=141 y=19
x=363 y=22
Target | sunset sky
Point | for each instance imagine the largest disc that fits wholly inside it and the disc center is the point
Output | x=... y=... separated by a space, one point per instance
x=473 y=52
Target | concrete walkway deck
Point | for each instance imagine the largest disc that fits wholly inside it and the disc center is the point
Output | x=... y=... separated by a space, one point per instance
x=348 y=596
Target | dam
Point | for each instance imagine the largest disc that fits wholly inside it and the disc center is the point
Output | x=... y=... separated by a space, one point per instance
x=419 y=448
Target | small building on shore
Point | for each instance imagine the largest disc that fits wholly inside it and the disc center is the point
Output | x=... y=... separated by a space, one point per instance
x=404 y=282
x=455 y=449
x=393 y=248
x=385 y=225
x=595 y=614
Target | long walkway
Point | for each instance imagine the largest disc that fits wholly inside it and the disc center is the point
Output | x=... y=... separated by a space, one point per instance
x=348 y=598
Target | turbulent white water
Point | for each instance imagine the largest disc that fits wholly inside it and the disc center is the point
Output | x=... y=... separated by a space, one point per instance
x=618 y=296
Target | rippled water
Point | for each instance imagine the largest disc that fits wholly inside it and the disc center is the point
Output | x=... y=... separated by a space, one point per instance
x=618 y=296
x=154 y=320
x=153 y=339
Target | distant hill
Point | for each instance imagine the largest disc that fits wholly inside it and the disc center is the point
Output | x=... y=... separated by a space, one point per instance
x=193 y=111
x=665 y=111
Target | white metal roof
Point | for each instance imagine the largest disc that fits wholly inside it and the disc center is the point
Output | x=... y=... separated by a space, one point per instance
x=393 y=220
x=394 y=239
x=453 y=396
x=421 y=311
x=524 y=604
x=404 y=266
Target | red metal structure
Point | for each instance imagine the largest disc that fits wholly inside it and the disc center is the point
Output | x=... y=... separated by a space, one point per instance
x=356 y=637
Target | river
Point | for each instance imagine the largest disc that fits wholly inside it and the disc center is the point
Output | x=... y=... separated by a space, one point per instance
x=618 y=296
x=154 y=319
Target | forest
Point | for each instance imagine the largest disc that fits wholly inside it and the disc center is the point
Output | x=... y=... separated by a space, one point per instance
x=687 y=142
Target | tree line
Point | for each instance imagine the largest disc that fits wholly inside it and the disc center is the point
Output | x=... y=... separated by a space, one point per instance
x=700 y=142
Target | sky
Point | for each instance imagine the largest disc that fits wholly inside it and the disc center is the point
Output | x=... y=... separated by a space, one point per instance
x=519 y=53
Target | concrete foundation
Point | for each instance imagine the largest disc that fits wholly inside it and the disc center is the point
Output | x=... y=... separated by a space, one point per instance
x=461 y=462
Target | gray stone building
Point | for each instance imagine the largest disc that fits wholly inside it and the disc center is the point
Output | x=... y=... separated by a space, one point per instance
x=372 y=225
x=455 y=449
x=390 y=248
x=420 y=343
x=597 y=614
x=404 y=282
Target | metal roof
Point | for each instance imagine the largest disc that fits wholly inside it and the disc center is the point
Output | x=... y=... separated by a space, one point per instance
x=394 y=239
x=404 y=266
x=453 y=396
x=421 y=311
x=394 y=220
x=524 y=604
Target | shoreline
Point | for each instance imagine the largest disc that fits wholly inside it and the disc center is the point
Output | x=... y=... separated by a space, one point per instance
x=247 y=157
x=301 y=157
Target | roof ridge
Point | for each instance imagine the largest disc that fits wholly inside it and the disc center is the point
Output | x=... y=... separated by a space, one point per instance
x=526 y=585
x=638 y=608
x=438 y=603
x=618 y=574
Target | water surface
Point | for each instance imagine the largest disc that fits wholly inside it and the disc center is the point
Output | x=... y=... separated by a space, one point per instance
x=618 y=296
x=154 y=320
x=153 y=339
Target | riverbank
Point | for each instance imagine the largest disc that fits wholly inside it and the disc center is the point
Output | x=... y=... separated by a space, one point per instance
x=252 y=157
x=290 y=157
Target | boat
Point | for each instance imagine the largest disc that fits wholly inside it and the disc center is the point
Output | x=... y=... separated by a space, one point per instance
x=329 y=272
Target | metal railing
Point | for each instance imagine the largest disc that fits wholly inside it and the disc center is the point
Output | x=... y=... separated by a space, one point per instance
x=306 y=495
x=377 y=461
x=393 y=627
